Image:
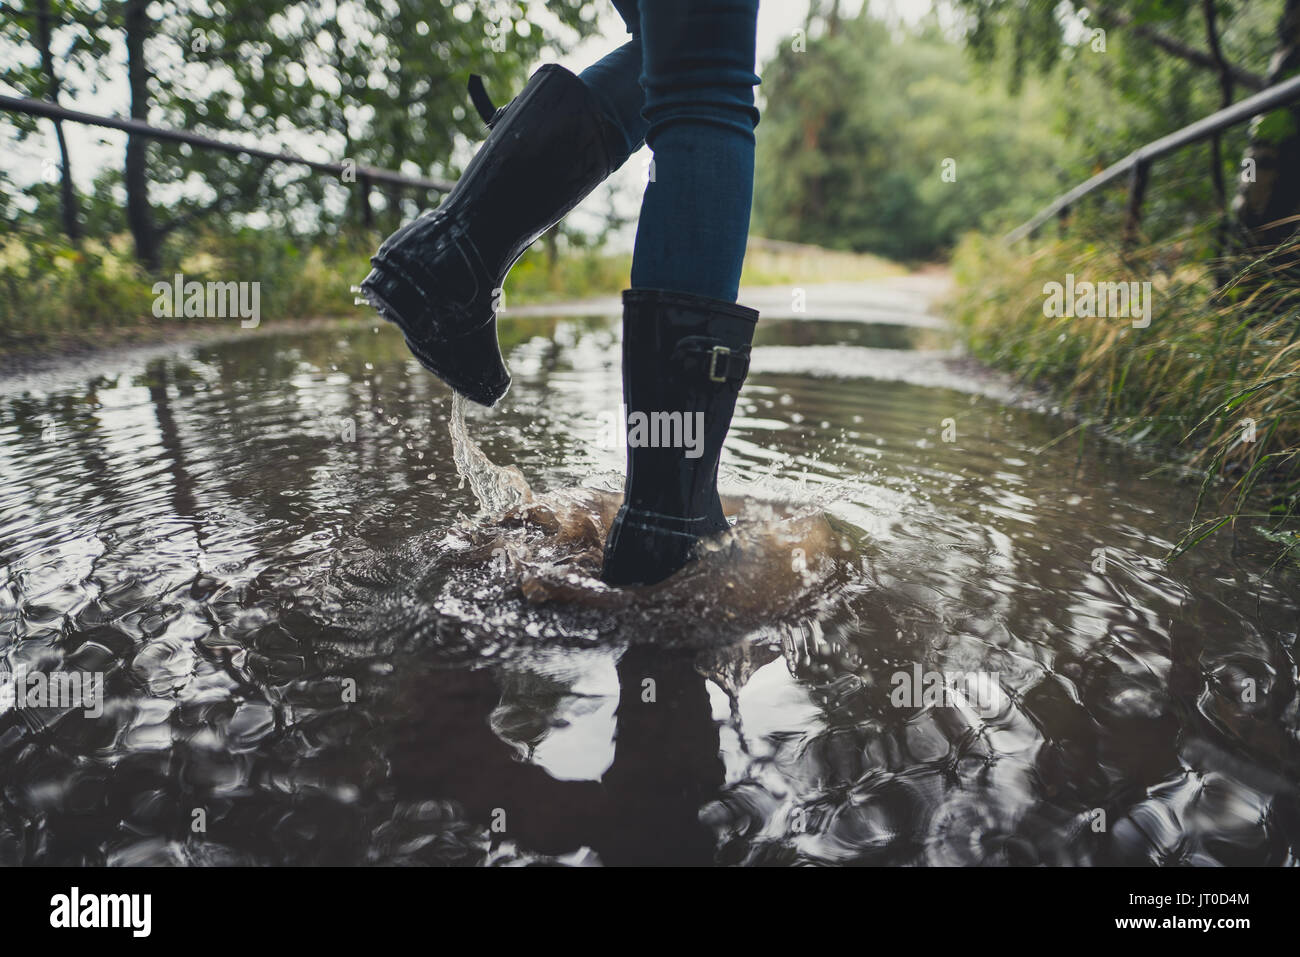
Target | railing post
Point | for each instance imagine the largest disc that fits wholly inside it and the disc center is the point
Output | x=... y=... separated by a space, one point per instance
x=1063 y=221
x=1137 y=164
x=1137 y=189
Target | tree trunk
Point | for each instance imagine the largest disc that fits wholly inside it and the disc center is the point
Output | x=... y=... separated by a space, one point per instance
x=139 y=214
x=1274 y=150
x=67 y=192
x=1226 y=91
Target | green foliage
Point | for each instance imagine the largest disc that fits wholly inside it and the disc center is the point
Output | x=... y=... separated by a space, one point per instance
x=54 y=294
x=49 y=288
x=1122 y=73
x=1221 y=351
x=378 y=82
x=1216 y=375
x=1027 y=36
x=859 y=129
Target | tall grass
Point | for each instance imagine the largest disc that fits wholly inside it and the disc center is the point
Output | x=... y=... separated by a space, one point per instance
x=1216 y=374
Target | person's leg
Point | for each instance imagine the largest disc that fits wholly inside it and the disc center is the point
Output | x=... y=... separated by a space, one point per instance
x=686 y=343
x=698 y=75
x=615 y=82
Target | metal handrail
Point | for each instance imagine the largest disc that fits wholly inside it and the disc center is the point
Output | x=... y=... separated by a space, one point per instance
x=1138 y=163
x=364 y=174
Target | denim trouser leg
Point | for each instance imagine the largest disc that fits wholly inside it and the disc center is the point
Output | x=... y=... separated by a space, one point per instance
x=615 y=81
x=697 y=114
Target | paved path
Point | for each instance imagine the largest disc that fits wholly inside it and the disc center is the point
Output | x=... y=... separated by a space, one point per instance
x=899 y=300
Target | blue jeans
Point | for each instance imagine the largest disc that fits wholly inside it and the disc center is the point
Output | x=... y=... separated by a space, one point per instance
x=684 y=85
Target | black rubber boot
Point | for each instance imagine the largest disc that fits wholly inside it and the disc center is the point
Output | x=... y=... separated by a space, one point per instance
x=439 y=277
x=684 y=360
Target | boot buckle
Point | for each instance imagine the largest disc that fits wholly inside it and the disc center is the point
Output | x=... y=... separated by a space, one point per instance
x=714 y=353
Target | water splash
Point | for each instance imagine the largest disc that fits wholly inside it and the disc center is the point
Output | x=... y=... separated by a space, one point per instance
x=525 y=571
x=495 y=488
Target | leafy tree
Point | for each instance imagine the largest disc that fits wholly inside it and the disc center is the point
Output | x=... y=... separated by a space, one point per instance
x=1178 y=60
x=40 y=65
x=889 y=142
x=378 y=82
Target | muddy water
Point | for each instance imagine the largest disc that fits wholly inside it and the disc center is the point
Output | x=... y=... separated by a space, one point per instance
x=317 y=647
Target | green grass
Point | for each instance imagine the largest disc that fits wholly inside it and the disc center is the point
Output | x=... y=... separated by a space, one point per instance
x=55 y=297
x=1216 y=375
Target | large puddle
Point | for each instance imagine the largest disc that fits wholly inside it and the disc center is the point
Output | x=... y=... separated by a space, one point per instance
x=929 y=640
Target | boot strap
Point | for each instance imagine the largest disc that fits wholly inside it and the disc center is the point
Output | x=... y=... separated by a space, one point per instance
x=482 y=102
x=716 y=361
x=646 y=520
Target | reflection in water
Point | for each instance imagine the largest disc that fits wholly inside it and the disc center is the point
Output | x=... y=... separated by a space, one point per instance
x=318 y=648
x=645 y=808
